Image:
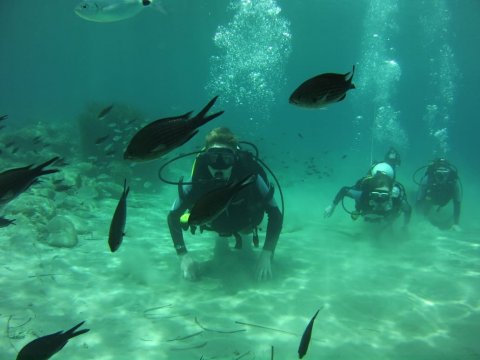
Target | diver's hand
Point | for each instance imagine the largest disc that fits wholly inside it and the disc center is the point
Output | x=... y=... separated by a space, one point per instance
x=264 y=266
x=456 y=227
x=188 y=267
x=328 y=211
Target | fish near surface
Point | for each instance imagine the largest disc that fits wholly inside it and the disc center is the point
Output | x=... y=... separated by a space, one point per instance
x=105 y=11
x=46 y=346
x=323 y=90
x=163 y=135
x=307 y=335
x=117 y=226
x=213 y=203
x=15 y=181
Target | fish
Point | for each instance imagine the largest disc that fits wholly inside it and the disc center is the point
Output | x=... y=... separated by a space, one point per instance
x=6 y=222
x=323 y=90
x=3 y=117
x=101 y=139
x=307 y=334
x=46 y=346
x=117 y=226
x=105 y=11
x=211 y=204
x=13 y=182
x=104 y=112
x=162 y=136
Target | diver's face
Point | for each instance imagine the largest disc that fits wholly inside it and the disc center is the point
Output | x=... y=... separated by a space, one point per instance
x=220 y=161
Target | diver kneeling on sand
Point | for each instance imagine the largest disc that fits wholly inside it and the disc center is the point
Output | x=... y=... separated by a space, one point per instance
x=378 y=197
x=244 y=195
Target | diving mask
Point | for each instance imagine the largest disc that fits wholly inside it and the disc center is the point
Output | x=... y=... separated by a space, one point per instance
x=220 y=161
x=379 y=196
x=441 y=174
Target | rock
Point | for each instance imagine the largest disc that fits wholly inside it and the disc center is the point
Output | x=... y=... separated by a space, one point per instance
x=61 y=233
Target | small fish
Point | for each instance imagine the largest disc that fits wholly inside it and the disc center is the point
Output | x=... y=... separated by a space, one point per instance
x=13 y=182
x=117 y=226
x=307 y=334
x=3 y=117
x=213 y=203
x=323 y=90
x=163 y=135
x=110 y=152
x=101 y=139
x=300 y=135
x=105 y=11
x=344 y=156
x=10 y=143
x=2 y=127
x=6 y=222
x=46 y=346
x=104 y=112
x=36 y=139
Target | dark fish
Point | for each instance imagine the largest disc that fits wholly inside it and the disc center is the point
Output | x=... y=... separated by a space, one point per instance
x=14 y=151
x=6 y=222
x=3 y=117
x=15 y=181
x=36 y=139
x=2 y=127
x=307 y=334
x=117 y=226
x=104 y=112
x=11 y=143
x=163 y=135
x=102 y=139
x=323 y=90
x=46 y=346
x=213 y=203
x=300 y=135
x=344 y=156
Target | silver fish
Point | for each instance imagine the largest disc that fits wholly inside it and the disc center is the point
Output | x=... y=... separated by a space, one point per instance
x=117 y=226
x=46 y=346
x=163 y=135
x=323 y=90
x=105 y=11
x=209 y=206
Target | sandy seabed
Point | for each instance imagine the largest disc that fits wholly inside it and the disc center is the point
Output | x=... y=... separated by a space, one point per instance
x=396 y=295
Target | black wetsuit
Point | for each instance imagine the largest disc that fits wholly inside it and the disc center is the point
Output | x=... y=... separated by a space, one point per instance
x=432 y=193
x=372 y=211
x=244 y=213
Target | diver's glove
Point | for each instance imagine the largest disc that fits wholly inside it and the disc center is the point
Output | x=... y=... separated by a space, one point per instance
x=188 y=267
x=328 y=211
x=264 y=266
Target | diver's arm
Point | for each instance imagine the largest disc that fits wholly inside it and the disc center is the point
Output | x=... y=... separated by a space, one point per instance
x=275 y=219
x=344 y=191
x=173 y=219
x=457 y=202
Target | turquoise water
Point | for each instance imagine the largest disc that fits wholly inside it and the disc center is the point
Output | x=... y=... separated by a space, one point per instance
x=391 y=296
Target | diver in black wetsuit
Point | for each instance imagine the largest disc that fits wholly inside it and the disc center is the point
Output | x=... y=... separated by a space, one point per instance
x=221 y=163
x=378 y=197
x=438 y=186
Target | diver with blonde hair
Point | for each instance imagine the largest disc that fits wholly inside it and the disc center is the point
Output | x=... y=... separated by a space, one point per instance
x=223 y=162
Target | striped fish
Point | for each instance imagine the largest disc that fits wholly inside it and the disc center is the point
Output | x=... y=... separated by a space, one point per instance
x=163 y=135
x=117 y=226
x=323 y=90
x=209 y=206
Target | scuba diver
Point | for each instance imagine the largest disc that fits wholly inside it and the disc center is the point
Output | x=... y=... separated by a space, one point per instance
x=392 y=158
x=223 y=162
x=437 y=187
x=378 y=197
